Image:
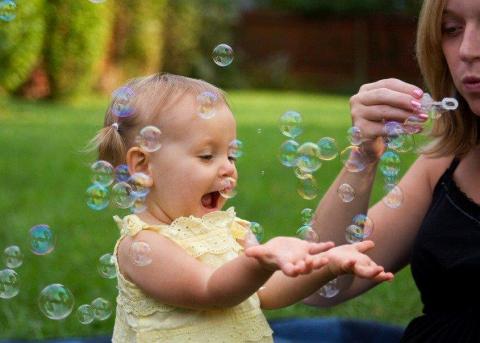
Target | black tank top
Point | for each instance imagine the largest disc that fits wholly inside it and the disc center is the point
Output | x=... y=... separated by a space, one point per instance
x=445 y=265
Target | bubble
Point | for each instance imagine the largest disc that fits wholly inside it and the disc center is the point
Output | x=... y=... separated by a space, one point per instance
x=149 y=138
x=106 y=266
x=102 y=308
x=300 y=174
x=329 y=290
x=390 y=163
x=262 y=172
x=328 y=149
x=140 y=254
x=353 y=234
x=140 y=183
x=257 y=230
x=229 y=191
x=13 y=257
x=139 y=205
x=353 y=159
x=222 y=55
x=291 y=124
x=56 y=301
x=103 y=173
x=85 y=314
x=7 y=10
x=122 y=104
x=308 y=188
x=413 y=124
x=306 y=233
x=42 y=239
x=236 y=148
x=393 y=128
x=9 y=283
x=346 y=192
x=121 y=173
x=407 y=145
x=96 y=2
x=288 y=153
x=122 y=195
x=97 y=197
x=259 y=131
x=365 y=223
x=207 y=102
x=394 y=196
x=354 y=135
x=308 y=157
x=426 y=102
x=307 y=215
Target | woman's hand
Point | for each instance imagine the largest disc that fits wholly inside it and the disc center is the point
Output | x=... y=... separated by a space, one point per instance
x=380 y=102
x=292 y=256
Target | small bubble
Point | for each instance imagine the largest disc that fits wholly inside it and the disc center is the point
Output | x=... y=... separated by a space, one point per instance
x=207 y=102
x=103 y=173
x=85 y=314
x=222 y=55
x=353 y=159
x=106 y=266
x=307 y=216
x=97 y=197
x=13 y=256
x=42 y=239
x=257 y=230
x=306 y=233
x=149 y=138
x=121 y=173
x=122 y=104
x=140 y=183
x=300 y=174
x=236 y=148
x=390 y=163
x=308 y=157
x=291 y=124
x=329 y=290
x=346 y=192
x=394 y=196
x=56 y=301
x=122 y=195
x=139 y=205
x=102 y=308
x=413 y=124
x=365 y=223
x=7 y=10
x=328 y=149
x=229 y=191
x=9 y=283
x=140 y=253
x=353 y=234
x=288 y=153
x=354 y=136
x=308 y=188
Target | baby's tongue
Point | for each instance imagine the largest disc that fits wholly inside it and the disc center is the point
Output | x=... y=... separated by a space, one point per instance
x=207 y=200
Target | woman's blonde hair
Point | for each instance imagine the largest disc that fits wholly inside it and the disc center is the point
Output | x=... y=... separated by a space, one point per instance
x=150 y=97
x=453 y=133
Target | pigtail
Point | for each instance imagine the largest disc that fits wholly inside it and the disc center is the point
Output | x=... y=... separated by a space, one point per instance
x=110 y=145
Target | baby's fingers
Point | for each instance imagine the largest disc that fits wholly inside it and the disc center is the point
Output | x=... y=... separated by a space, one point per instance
x=256 y=251
x=316 y=248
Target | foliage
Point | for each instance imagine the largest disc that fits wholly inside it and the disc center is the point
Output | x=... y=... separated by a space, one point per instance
x=138 y=37
x=21 y=44
x=76 y=44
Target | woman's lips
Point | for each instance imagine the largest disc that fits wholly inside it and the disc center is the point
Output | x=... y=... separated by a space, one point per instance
x=471 y=83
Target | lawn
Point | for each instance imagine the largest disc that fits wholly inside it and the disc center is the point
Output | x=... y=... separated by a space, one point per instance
x=44 y=177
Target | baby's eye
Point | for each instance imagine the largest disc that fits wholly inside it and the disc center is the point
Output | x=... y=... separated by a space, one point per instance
x=206 y=157
x=232 y=158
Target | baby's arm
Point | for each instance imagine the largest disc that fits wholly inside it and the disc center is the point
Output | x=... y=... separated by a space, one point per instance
x=281 y=291
x=176 y=278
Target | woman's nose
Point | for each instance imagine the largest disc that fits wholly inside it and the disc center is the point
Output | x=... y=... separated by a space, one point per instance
x=470 y=46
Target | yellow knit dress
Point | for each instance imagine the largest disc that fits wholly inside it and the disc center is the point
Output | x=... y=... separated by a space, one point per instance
x=211 y=239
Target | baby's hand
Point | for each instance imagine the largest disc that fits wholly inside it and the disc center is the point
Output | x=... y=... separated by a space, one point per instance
x=292 y=256
x=350 y=259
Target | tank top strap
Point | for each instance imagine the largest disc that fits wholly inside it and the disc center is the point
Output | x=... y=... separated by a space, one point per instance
x=453 y=166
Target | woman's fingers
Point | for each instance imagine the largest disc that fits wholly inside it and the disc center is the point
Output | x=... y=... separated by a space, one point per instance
x=394 y=84
x=364 y=245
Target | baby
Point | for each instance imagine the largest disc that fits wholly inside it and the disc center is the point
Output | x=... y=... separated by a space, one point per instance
x=205 y=282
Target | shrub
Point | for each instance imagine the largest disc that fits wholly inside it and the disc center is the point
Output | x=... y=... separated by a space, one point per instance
x=21 y=42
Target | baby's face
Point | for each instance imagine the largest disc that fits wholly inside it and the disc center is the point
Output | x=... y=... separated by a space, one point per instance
x=195 y=160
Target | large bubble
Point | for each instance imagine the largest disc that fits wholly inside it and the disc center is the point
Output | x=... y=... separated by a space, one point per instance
x=56 y=301
x=306 y=233
x=85 y=314
x=103 y=173
x=122 y=195
x=222 y=55
x=122 y=104
x=102 y=308
x=291 y=124
x=346 y=192
x=42 y=239
x=9 y=283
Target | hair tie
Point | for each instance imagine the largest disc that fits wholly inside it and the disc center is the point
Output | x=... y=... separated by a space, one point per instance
x=115 y=126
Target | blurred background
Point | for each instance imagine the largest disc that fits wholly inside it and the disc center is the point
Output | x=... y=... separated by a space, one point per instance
x=60 y=60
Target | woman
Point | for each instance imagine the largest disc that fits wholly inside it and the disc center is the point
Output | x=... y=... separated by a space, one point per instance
x=437 y=228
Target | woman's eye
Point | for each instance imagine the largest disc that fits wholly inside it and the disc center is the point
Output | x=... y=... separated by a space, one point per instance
x=451 y=29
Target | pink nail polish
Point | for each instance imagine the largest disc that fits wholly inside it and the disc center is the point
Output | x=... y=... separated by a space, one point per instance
x=418 y=92
x=423 y=116
x=416 y=105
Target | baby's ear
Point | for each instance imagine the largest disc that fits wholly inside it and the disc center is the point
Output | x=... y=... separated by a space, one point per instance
x=139 y=162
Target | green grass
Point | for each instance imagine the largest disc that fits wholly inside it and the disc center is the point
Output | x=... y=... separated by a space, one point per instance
x=44 y=177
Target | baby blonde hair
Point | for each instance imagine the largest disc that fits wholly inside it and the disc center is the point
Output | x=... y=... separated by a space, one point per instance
x=151 y=96
x=453 y=133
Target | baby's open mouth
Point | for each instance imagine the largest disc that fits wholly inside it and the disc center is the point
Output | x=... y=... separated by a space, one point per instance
x=210 y=200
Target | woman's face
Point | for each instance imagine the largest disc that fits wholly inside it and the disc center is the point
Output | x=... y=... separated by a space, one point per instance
x=461 y=48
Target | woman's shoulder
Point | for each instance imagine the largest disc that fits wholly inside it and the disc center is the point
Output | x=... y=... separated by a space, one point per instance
x=433 y=167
